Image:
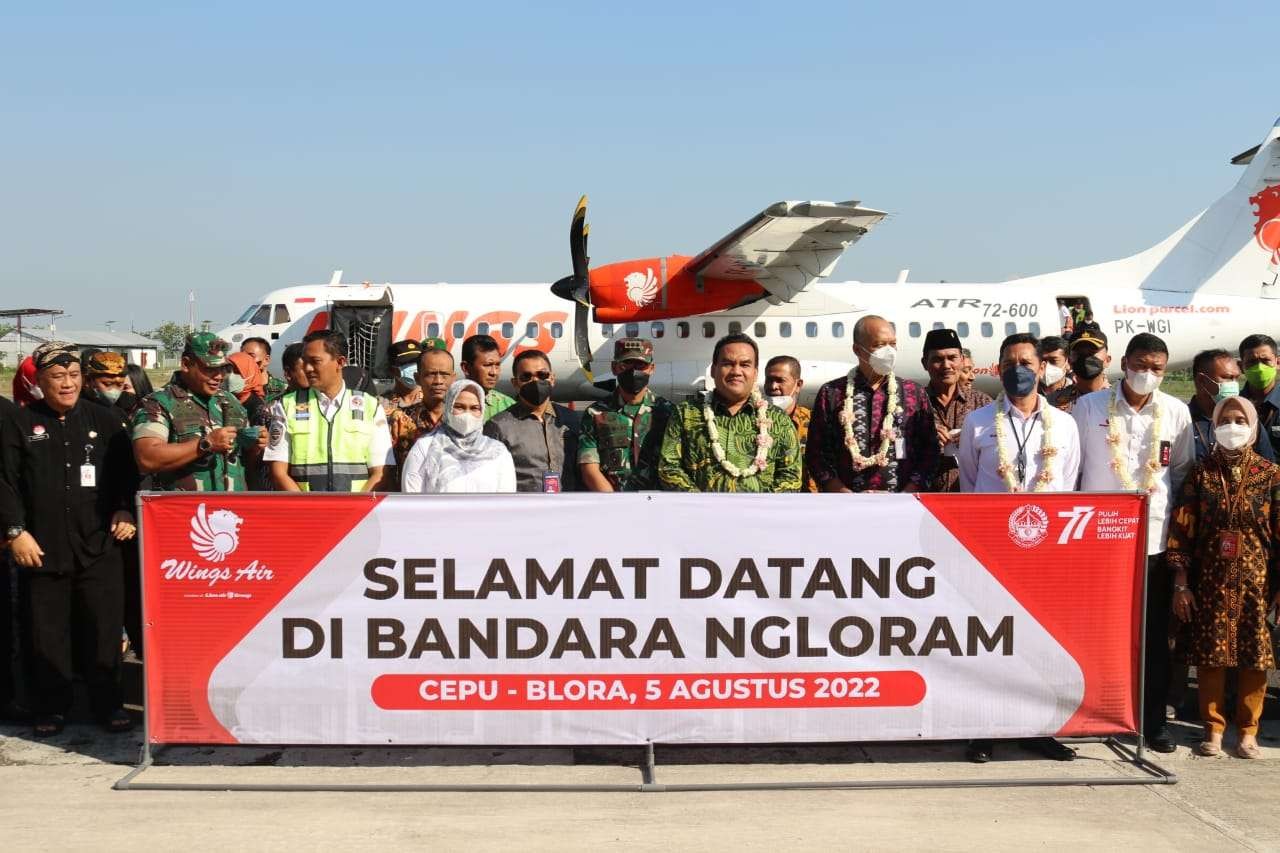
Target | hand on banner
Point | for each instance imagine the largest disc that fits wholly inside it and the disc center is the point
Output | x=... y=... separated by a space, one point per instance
x=122 y=526
x=26 y=551
x=1183 y=603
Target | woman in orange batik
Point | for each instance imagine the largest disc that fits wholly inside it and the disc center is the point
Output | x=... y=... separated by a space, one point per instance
x=1222 y=550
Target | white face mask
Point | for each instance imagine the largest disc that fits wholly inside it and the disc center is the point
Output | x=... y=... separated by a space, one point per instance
x=782 y=401
x=235 y=382
x=883 y=359
x=1143 y=383
x=1053 y=374
x=1232 y=436
x=464 y=424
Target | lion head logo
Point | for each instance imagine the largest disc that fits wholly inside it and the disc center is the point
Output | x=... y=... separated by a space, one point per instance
x=1267 y=231
x=215 y=535
x=642 y=287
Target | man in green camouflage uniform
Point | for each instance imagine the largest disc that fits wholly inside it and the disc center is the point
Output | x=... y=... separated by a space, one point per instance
x=620 y=436
x=192 y=434
x=689 y=460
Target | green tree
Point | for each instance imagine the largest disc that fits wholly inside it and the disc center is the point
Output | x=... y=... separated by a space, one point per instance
x=172 y=335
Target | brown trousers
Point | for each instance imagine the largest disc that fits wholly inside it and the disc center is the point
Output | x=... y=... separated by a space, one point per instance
x=1252 y=692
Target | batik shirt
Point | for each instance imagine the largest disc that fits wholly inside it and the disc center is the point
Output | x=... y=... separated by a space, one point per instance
x=828 y=458
x=686 y=463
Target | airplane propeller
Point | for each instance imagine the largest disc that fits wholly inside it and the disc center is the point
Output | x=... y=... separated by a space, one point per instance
x=577 y=286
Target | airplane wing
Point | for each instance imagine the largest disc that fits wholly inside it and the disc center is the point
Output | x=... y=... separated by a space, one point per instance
x=788 y=245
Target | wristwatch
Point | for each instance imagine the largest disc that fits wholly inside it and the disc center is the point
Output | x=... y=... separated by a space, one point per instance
x=1177 y=587
x=12 y=533
x=203 y=447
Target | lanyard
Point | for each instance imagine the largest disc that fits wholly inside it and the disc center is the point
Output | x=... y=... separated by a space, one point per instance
x=1021 y=441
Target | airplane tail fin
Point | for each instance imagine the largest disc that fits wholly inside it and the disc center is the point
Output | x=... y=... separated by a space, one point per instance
x=1233 y=247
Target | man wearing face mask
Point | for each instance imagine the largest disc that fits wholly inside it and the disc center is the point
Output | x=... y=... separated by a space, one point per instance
x=542 y=436
x=1258 y=361
x=403 y=358
x=871 y=431
x=782 y=385
x=1088 y=357
x=1056 y=365
x=951 y=402
x=105 y=375
x=1217 y=376
x=621 y=435
x=1135 y=437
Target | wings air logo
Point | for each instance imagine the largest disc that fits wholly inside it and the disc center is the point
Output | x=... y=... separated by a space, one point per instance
x=642 y=287
x=1267 y=231
x=216 y=534
x=1028 y=526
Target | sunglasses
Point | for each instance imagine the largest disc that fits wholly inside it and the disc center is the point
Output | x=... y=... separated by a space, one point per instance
x=529 y=377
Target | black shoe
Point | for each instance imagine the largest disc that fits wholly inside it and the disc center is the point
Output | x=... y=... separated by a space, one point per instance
x=979 y=751
x=1161 y=741
x=1050 y=748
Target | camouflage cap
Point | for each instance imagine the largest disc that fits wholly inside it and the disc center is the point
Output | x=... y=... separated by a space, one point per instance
x=54 y=353
x=207 y=348
x=633 y=349
x=105 y=364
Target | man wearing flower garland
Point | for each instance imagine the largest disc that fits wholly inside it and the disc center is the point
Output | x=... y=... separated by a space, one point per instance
x=1135 y=437
x=951 y=402
x=1019 y=443
x=731 y=440
x=870 y=431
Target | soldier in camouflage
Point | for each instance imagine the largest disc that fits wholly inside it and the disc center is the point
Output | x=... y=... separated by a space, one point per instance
x=621 y=435
x=192 y=434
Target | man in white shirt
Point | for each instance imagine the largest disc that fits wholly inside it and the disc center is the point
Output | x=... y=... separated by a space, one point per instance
x=1019 y=443
x=1120 y=426
x=1002 y=445
x=327 y=438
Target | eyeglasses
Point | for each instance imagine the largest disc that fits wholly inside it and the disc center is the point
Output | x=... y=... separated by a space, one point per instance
x=543 y=375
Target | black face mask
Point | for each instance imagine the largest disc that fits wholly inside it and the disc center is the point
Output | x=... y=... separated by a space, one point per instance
x=535 y=393
x=633 y=381
x=1087 y=367
x=128 y=401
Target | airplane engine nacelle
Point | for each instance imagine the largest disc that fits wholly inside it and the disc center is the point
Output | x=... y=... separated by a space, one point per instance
x=659 y=288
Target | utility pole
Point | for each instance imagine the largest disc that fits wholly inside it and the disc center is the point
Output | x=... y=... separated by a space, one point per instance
x=191 y=311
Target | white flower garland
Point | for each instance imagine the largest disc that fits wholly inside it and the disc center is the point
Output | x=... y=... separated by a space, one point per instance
x=1117 y=458
x=893 y=414
x=763 y=439
x=1004 y=467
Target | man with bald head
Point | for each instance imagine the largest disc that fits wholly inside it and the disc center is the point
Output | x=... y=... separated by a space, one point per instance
x=871 y=431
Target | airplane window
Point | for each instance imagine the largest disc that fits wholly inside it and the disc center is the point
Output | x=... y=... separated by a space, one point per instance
x=735 y=327
x=459 y=330
x=244 y=318
x=811 y=330
x=508 y=329
x=607 y=330
x=708 y=330
x=913 y=329
x=262 y=316
x=657 y=329
x=760 y=330
x=837 y=330
x=987 y=330
x=1035 y=329
x=482 y=328
x=433 y=330
x=682 y=329
x=282 y=314
x=531 y=331
x=937 y=325
x=962 y=329
x=633 y=330
x=1011 y=328
x=784 y=329
x=556 y=330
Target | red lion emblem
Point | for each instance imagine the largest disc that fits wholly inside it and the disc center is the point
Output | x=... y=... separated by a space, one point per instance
x=1267 y=231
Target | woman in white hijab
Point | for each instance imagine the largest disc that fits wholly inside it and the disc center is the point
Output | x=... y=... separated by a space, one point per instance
x=458 y=457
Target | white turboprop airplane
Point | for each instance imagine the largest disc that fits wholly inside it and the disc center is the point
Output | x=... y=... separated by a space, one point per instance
x=1209 y=284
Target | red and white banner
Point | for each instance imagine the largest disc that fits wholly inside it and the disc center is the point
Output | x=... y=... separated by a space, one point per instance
x=593 y=619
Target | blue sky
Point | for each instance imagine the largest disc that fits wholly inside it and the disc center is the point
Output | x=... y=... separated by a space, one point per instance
x=234 y=148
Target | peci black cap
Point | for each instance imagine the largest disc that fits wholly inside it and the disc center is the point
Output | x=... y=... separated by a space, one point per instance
x=404 y=352
x=941 y=339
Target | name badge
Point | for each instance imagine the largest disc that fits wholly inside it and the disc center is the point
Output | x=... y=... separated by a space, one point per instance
x=551 y=482
x=899 y=448
x=1166 y=451
x=88 y=477
x=1228 y=544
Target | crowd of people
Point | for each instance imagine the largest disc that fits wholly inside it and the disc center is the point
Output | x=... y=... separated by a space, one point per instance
x=85 y=433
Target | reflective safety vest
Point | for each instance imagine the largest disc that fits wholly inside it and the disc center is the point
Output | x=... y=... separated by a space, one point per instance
x=329 y=456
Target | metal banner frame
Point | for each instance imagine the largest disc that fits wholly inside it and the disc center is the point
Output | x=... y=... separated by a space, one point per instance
x=1135 y=756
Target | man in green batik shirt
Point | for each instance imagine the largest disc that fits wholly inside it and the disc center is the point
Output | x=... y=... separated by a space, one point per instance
x=620 y=436
x=688 y=461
